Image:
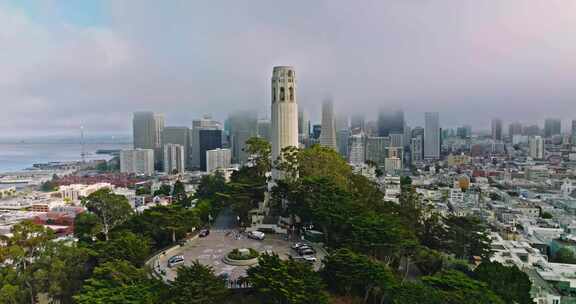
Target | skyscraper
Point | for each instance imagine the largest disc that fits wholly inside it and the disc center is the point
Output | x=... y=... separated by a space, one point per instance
x=515 y=128
x=316 y=131
x=573 y=132
x=431 y=135
x=264 y=129
x=303 y=125
x=147 y=132
x=174 y=158
x=178 y=136
x=284 y=111
x=357 y=123
x=496 y=129
x=464 y=132
x=328 y=134
x=390 y=122
x=532 y=130
x=209 y=139
x=343 y=138
x=205 y=123
x=552 y=126
x=377 y=149
x=243 y=126
x=407 y=136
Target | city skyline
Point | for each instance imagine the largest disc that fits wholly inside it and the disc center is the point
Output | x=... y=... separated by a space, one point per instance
x=461 y=61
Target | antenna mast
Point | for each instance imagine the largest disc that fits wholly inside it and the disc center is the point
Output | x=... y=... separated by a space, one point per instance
x=82 y=151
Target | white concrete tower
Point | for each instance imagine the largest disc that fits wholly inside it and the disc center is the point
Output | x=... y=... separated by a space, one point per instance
x=328 y=133
x=284 y=111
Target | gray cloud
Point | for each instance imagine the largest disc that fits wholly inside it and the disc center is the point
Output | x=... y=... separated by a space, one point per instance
x=470 y=60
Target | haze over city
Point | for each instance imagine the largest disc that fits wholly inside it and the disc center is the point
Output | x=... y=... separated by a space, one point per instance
x=93 y=63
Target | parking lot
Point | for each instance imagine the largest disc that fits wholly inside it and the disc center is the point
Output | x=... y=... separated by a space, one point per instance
x=223 y=238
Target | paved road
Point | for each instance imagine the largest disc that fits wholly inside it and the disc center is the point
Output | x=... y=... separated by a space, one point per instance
x=222 y=239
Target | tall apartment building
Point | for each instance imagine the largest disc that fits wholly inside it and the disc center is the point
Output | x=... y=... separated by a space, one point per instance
x=137 y=161
x=536 y=147
x=174 y=158
x=357 y=154
x=397 y=139
x=431 y=135
x=377 y=149
x=218 y=159
x=496 y=129
x=417 y=149
x=393 y=162
x=573 y=132
x=178 y=136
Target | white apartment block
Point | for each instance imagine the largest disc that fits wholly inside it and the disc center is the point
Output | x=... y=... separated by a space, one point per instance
x=174 y=158
x=137 y=161
x=218 y=159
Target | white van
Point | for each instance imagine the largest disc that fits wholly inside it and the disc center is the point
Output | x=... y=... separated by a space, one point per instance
x=256 y=235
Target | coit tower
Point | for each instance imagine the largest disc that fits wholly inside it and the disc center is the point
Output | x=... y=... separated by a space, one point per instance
x=284 y=111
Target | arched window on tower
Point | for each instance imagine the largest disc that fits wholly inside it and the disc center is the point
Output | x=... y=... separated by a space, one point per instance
x=273 y=94
x=289 y=73
x=291 y=90
x=281 y=93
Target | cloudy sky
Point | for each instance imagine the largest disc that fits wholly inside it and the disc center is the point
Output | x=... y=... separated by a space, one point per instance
x=68 y=63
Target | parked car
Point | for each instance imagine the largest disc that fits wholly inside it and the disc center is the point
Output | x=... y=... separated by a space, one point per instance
x=204 y=233
x=256 y=235
x=175 y=260
x=307 y=248
x=295 y=246
x=307 y=252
